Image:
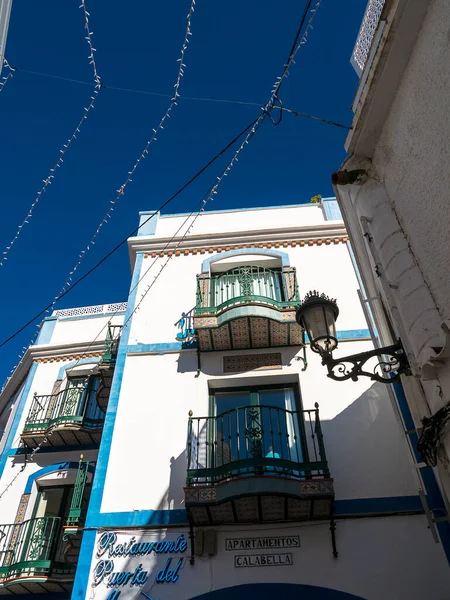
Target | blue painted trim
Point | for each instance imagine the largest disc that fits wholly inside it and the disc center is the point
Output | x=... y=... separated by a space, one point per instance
x=85 y=558
x=433 y=492
x=160 y=348
x=142 y=518
x=80 y=361
x=64 y=466
x=54 y=449
x=367 y=506
x=206 y=264
x=307 y=203
x=150 y=227
x=96 y=316
x=46 y=332
x=331 y=209
x=17 y=416
x=357 y=507
x=353 y=334
x=93 y=514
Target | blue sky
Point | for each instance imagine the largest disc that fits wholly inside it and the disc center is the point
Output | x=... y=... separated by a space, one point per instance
x=237 y=50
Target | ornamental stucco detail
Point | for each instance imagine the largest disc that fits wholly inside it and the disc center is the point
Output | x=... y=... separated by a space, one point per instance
x=365 y=36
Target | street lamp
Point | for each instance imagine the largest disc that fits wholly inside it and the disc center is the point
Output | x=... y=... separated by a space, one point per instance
x=317 y=315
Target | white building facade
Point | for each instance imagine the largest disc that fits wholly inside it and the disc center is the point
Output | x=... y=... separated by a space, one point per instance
x=393 y=192
x=218 y=460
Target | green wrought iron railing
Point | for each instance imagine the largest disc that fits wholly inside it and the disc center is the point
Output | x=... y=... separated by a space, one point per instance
x=31 y=548
x=76 y=506
x=256 y=440
x=111 y=344
x=275 y=287
x=75 y=405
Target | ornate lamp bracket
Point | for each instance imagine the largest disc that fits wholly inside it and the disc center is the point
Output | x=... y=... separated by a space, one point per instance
x=391 y=363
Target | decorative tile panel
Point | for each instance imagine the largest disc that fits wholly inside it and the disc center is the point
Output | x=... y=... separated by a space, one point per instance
x=272 y=508
x=316 y=487
x=295 y=334
x=223 y=513
x=259 y=332
x=321 y=508
x=251 y=362
x=298 y=509
x=199 y=515
x=278 y=333
x=240 y=334
x=221 y=338
x=247 y=509
x=204 y=340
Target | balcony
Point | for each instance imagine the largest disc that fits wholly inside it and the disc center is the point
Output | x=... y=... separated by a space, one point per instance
x=40 y=555
x=247 y=307
x=257 y=464
x=71 y=417
x=33 y=551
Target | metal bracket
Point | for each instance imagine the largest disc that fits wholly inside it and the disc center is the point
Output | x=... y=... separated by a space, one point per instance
x=392 y=362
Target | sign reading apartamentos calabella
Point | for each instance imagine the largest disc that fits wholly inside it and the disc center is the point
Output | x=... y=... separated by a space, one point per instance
x=262 y=543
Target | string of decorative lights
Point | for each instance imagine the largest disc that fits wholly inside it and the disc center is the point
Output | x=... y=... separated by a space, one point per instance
x=65 y=147
x=119 y=245
x=213 y=191
x=121 y=190
x=10 y=75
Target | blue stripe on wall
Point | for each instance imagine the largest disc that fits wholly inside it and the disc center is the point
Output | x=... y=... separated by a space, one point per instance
x=13 y=432
x=433 y=492
x=345 y=334
x=358 y=507
x=92 y=518
x=46 y=332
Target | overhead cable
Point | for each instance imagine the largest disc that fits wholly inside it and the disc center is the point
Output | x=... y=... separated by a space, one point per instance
x=62 y=152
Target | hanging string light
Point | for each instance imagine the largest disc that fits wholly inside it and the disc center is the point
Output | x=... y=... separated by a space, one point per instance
x=62 y=152
x=4 y=79
x=121 y=190
x=213 y=191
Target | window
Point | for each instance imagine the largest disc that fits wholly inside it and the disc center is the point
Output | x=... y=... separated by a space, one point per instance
x=257 y=423
x=246 y=281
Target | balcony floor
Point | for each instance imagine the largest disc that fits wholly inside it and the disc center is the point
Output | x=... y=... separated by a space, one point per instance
x=61 y=436
x=259 y=500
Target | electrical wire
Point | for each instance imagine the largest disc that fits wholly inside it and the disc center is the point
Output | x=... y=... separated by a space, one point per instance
x=121 y=191
x=251 y=129
x=132 y=233
x=65 y=147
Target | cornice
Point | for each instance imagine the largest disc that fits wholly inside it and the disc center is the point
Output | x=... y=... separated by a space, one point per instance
x=325 y=233
x=49 y=353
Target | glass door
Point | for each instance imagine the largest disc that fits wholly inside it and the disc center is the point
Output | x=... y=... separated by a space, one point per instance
x=39 y=535
x=256 y=424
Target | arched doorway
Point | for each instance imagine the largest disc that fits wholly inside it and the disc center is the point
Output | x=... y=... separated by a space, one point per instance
x=276 y=591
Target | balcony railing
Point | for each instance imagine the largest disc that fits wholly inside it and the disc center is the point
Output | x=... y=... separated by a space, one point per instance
x=255 y=441
x=245 y=284
x=72 y=406
x=33 y=547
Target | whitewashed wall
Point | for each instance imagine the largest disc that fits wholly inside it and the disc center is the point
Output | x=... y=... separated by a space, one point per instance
x=159 y=388
x=376 y=560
